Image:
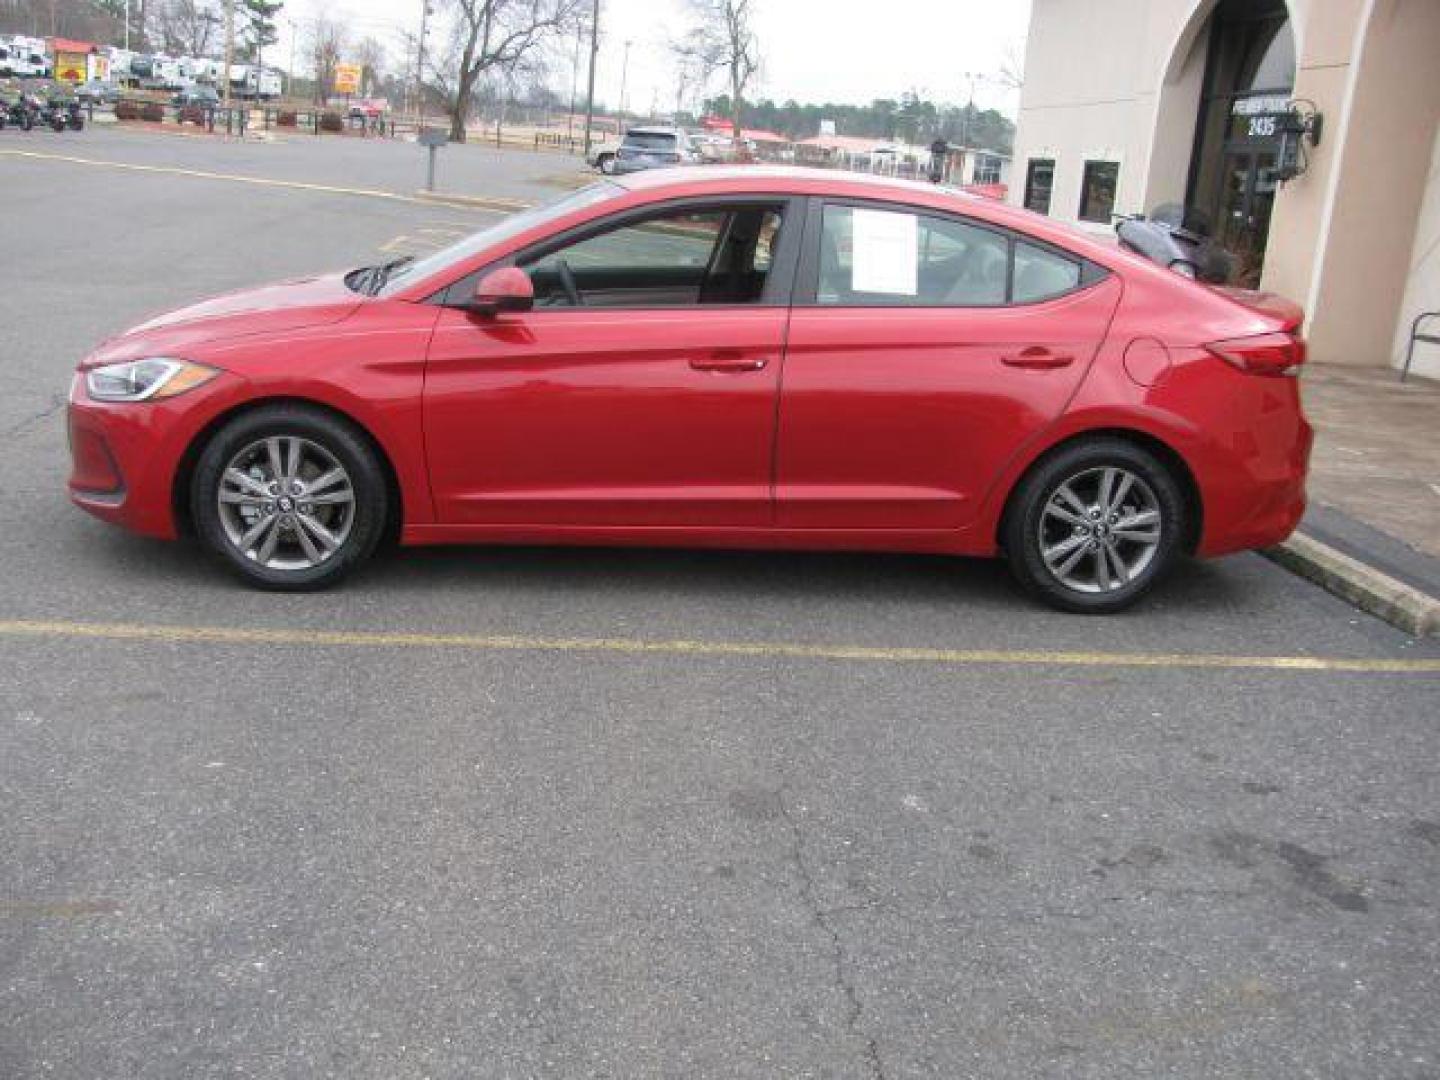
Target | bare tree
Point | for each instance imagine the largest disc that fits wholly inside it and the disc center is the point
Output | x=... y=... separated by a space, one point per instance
x=721 y=38
x=187 y=27
x=372 y=58
x=1012 y=67
x=327 y=45
x=495 y=36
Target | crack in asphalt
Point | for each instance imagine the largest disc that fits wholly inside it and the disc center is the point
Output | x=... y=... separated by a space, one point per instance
x=821 y=918
x=57 y=402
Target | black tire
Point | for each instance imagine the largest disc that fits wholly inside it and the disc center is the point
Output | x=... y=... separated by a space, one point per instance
x=1027 y=514
x=336 y=437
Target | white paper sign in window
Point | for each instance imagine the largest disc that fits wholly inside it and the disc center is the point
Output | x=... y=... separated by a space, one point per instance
x=886 y=253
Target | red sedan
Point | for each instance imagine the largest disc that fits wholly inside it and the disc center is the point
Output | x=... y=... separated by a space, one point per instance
x=752 y=357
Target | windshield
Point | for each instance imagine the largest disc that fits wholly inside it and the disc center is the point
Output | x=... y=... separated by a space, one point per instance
x=502 y=230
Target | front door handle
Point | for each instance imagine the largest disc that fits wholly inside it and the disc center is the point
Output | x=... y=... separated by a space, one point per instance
x=1037 y=356
x=728 y=360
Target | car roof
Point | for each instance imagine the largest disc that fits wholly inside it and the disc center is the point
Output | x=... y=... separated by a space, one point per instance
x=780 y=179
x=651 y=129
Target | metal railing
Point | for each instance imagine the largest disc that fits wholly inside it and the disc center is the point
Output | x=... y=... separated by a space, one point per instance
x=1416 y=335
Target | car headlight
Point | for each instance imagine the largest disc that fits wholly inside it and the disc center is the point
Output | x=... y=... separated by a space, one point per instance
x=146 y=380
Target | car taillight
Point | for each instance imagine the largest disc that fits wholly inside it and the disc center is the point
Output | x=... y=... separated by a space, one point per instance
x=1263 y=354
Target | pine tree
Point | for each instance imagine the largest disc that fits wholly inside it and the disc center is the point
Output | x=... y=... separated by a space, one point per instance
x=260 y=25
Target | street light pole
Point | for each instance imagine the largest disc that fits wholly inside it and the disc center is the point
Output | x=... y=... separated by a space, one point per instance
x=229 y=51
x=574 y=85
x=590 y=91
x=290 y=78
x=127 y=25
x=420 y=64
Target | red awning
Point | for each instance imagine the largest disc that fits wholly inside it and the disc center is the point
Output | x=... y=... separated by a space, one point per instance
x=69 y=45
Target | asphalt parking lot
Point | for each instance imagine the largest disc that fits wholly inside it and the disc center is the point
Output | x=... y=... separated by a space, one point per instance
x=523 y=813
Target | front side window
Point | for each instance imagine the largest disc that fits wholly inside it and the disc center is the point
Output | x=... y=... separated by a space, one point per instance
x=720 y=255
x=1039 y=179
x=886 y=257
x=1097 y=190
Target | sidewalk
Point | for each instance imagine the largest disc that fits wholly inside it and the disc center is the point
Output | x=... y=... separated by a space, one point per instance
x=1371 y=534
x=1377 y=450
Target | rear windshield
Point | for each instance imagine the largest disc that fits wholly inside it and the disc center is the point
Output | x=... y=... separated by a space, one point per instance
x=651 y=140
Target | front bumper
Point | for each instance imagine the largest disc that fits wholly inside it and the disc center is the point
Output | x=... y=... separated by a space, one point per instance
x=125 y=455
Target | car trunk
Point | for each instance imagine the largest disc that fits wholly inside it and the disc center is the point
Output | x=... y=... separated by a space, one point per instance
x=1289 y=315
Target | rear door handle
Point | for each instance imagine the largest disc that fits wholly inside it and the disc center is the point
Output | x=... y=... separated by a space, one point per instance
x=728 y=360
x=1037 y=356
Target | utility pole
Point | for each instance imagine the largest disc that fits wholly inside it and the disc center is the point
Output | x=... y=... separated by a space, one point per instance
x=420 y=64
x=590 y=92
x=624 y=71
x=127 y=25
x=229 y=46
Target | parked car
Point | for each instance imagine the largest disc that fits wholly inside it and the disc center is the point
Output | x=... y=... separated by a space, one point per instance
x=204 y=97
x=959 y=376
x=653 y=148
x=602 y=156
x=97 y=92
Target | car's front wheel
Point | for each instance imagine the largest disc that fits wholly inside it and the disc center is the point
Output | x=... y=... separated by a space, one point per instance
x=1093 y=527
x=292 y=498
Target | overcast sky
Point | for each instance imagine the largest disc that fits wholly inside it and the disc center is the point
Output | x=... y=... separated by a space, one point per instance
x=813 y=50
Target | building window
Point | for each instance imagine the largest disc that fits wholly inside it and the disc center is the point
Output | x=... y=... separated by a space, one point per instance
x=1039 y=178
x=987 y=169
x=1097 y=190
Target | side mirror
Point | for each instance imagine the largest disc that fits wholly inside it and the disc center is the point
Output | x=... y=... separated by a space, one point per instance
x=506 y=289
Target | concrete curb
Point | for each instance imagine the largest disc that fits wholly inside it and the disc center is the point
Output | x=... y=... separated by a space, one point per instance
x=472 y=202
x=1370 y=590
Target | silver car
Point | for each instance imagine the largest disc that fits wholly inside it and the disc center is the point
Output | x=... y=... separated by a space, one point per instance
x=654 y=148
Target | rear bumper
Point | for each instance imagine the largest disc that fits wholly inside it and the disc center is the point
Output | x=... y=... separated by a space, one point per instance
x=1253 y=483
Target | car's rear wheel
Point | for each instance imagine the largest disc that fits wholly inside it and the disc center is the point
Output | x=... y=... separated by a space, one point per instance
x=1092 y=528
x=292 y=498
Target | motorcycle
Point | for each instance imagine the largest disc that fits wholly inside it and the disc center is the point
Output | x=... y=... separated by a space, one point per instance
x=18 y=109
x=1179 y=238
x=60 y=112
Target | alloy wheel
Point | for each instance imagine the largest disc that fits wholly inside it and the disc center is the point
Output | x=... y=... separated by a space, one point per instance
x=286 y=503
x=1100 y=529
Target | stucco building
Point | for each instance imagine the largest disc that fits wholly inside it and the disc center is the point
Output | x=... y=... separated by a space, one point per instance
x=1128 y=104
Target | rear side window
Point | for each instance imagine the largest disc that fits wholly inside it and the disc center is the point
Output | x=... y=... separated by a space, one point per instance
x=1041 y=274
x=881 y=257
x=894 y=258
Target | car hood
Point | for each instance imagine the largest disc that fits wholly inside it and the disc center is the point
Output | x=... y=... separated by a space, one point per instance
x=283 y=306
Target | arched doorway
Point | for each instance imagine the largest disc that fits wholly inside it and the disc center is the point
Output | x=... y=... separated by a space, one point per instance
x=1248 y=82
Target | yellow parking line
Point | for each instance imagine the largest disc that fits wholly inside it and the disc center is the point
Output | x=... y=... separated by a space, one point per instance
x=263 y=181
x=224 y=635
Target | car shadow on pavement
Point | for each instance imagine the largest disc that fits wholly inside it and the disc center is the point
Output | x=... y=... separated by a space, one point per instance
x=658 y=574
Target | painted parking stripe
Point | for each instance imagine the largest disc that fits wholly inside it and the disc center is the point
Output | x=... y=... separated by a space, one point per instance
x=489 y=206
x=261 y=636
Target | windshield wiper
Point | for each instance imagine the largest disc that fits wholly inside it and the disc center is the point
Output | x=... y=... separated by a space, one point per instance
x=379 y=275
x=369 y=280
